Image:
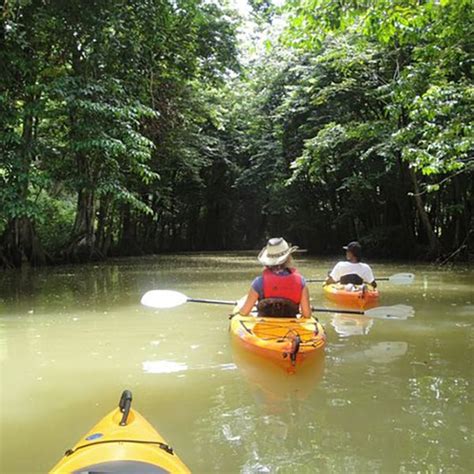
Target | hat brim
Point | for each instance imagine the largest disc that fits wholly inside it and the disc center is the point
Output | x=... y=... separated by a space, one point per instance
x=269 y=261
x=345 y=247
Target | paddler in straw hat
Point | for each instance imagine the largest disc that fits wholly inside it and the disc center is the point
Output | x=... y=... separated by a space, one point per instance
x=280 y=291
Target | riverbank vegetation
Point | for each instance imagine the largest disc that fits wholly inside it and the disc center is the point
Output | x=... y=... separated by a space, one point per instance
x=147 y=126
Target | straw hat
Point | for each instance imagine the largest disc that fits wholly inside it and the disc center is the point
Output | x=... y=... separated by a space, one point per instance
x=275 y=252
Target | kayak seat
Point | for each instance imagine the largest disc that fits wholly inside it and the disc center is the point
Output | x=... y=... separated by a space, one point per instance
x=351 y=278
x=122 y=467
x=277 y=308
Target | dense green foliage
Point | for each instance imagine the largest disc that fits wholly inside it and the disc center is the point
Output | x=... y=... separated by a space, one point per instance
x=102 y=110
x=130 y=127
x=365 y=110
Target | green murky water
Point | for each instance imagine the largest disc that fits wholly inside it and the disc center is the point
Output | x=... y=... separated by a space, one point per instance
x=392 y=396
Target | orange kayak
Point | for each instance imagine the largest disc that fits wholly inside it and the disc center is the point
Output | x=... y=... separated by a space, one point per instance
x=360 y=296
x=288 y=342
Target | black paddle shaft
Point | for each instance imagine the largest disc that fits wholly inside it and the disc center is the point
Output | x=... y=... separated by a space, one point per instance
x=233 y=303
x=200 y=300
x=319 y=280
x=342 y=311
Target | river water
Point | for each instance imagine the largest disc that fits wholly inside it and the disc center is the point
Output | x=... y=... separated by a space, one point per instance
x=389 y=396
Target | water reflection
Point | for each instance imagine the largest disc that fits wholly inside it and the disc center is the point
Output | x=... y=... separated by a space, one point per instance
x=163 y=367
x=272 y=386
x=347 y=326
x=169 y=367
x=258 y=440
x=115 y=283
x=385 y=352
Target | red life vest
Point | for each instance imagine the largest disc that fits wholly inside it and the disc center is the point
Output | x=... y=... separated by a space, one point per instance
x=289 y=286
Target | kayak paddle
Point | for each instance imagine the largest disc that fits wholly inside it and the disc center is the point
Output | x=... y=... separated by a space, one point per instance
x=398 y=311
x=171 y=299
x=396 y=279
x=161 y=299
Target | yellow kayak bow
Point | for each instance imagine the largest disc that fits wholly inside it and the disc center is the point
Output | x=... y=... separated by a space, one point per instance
x=122 y=442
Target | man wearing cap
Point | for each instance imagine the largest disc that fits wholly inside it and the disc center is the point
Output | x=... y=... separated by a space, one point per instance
x=352 y=271
x=280 y=291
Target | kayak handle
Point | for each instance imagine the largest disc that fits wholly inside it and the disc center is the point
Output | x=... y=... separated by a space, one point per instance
x=295 y=349
x=125 y=404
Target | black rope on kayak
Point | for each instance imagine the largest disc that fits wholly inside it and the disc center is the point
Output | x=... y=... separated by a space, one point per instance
x=296 y=340
x=296 y=323
x=162 y=446
x=250 y=331
x=286 y=338
x=278 y=326
x=245 y=327
x=291 y=332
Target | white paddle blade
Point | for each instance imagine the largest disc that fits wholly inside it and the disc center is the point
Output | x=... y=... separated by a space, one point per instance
x=398 y=311
x=402 y=278
x=163 y=299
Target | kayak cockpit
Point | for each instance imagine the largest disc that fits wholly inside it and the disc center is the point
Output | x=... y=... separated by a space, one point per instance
x=121 y=467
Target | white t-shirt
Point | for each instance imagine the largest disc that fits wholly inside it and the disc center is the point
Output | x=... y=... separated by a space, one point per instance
x=347 y=268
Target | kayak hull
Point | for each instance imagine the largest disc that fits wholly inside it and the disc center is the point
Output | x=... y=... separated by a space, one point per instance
x=270 y=384
x=364 y=296
x=110 y=447
x=275 y=339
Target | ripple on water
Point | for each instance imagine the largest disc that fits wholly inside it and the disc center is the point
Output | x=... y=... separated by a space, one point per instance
x=339 y=402
x=229 y=436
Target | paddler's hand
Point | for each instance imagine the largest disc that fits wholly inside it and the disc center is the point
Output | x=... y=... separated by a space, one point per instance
x=234 y=313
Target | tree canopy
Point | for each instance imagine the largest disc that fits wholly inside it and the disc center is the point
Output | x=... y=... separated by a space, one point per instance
x=147 y=126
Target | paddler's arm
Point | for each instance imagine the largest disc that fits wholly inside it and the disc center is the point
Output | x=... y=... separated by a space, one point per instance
x=305 y=305
x=333 y=276
x=252 y=298
x=371 y=278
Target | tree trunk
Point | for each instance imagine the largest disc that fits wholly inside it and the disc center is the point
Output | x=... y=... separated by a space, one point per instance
x=433 y=242
x=129 y=242
x=21 y=244
x=82 y=245
x=102 y=238
x=20 y=241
